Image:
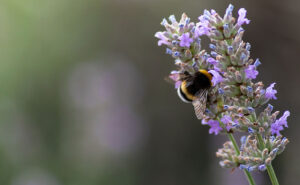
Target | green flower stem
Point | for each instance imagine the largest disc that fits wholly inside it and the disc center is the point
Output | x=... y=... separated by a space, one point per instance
x=272 y=175
x=236 y=148
x=270 y=169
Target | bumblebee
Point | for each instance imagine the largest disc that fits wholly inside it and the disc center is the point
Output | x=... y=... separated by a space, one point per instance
x=194 y=89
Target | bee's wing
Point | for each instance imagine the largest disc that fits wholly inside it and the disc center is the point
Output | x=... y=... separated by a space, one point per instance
x=200 y=104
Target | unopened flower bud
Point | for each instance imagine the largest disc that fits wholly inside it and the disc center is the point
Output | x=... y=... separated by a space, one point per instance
x=262 y=167
x=265 y=153
x=261 y=130
x=273 y=153
x=268 y=161
x=188 y=53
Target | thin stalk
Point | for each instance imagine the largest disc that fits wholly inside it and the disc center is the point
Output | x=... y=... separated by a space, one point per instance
x=237 y=150
x=272 y=175
x=270 y=169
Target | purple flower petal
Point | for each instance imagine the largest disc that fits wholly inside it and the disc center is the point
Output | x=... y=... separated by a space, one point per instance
x=202 y=30
x=177 y=84
x=217 y=78
x=174 y=75
x=278 y=125
x=242 y=17
x=251 y=72
x=227 y=120
x=286 y=114
x=214 y=127
x=203 y=26
x=276 y=128
x=163 y=39
x=215 y=63
x=204 y=122
x=185 y=40
x=212 y=61
x=282 y=120
x=262 y=167
x=176 y=78
x=270 y=92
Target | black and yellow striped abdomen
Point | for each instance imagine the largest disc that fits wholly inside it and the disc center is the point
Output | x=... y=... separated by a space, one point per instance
x=190 y=87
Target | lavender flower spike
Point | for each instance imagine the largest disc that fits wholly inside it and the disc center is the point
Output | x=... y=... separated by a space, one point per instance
x=233 y=101
x=181 y=38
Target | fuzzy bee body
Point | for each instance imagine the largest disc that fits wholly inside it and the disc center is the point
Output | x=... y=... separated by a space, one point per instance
x=194 y=89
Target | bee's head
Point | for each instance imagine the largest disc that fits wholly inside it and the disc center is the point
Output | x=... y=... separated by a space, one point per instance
x=184 y=75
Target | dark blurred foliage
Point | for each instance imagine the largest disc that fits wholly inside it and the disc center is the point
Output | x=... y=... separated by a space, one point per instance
x=83 y=100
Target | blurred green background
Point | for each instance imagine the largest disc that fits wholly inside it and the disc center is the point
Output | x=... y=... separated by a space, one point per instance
x=83 y=100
